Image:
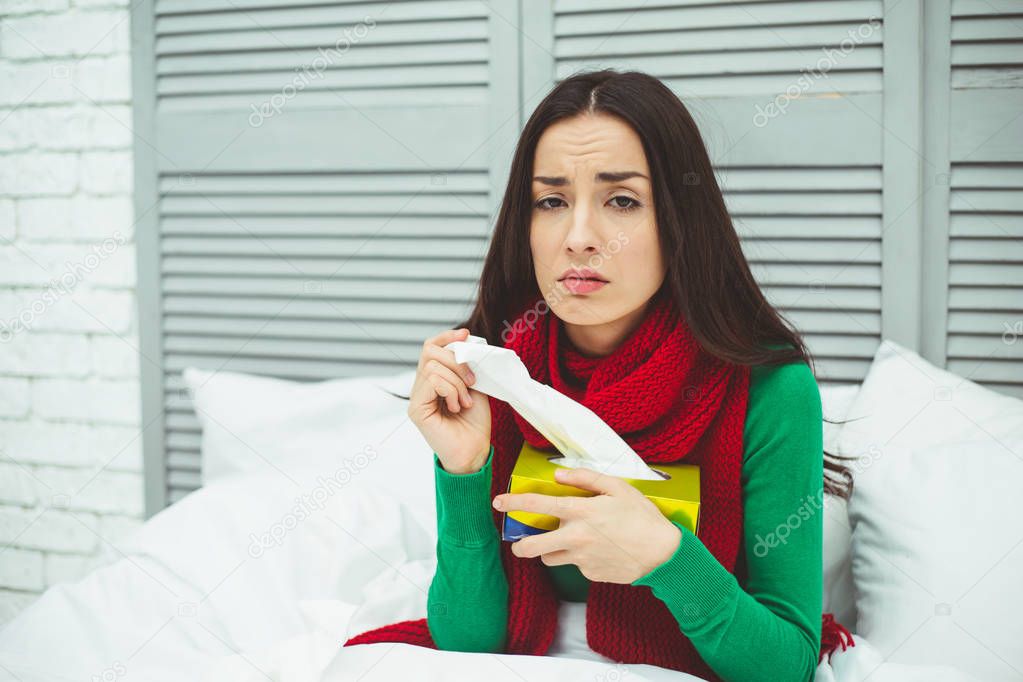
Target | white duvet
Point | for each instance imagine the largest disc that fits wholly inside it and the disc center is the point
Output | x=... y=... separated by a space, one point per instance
x=230 y=585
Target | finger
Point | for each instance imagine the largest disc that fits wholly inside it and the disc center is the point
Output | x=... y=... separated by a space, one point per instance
x=436 y=367
x=567 y=507
x=446 y=337
x=542 y=543
x=588 y=479
x=445 y=390
x=422 y=393
x=558 y=558
x=447 y=358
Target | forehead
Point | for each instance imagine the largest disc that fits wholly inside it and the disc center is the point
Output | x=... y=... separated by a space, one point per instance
x=599 y=141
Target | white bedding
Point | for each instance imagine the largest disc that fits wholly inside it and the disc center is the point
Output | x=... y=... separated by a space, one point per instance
x=230 y=585
x=194 y=599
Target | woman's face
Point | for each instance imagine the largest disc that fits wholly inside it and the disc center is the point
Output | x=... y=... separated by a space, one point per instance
x=593 y=209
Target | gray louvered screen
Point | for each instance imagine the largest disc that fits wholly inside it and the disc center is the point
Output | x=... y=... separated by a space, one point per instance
x=324 y=175
x=985 y=303
x=804 y=186
x=329 y=237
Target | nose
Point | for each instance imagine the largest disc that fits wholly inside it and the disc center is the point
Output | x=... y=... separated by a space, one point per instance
x=581 y=237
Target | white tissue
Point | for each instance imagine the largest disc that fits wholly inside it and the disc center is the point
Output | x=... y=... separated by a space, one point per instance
x=583 y=438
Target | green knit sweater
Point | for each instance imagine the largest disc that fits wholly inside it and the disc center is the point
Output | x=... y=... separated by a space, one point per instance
x=766 y=627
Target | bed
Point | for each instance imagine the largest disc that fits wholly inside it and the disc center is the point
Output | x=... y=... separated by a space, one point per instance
x=316 y=521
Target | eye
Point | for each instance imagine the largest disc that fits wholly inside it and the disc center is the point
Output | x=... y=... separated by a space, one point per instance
x=630 y=205
x=543 y=204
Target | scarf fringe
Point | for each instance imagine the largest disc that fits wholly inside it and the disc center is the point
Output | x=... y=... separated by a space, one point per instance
x=414 y=632
x=833 y=634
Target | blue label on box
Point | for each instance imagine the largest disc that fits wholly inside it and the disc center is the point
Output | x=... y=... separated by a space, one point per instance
x=516 y=530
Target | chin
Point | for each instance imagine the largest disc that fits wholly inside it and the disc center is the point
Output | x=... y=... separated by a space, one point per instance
x=582 y=310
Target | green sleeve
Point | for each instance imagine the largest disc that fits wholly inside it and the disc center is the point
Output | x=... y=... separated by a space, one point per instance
x=467 y=604
x=771 y=629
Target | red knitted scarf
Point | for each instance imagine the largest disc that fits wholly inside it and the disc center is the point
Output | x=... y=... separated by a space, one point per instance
x=671 y=401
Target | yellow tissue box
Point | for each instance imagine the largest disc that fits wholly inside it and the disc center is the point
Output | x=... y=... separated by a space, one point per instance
x=677 y=496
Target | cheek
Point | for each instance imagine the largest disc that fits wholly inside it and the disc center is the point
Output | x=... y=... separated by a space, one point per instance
x=642 y=252
x=542 y=244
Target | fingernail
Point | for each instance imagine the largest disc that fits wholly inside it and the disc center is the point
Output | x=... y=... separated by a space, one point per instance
x=497 y=503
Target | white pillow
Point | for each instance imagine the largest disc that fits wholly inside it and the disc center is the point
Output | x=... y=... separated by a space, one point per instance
x=839 y=593
x=937 y=553
x=905 y=400
x=351 y=429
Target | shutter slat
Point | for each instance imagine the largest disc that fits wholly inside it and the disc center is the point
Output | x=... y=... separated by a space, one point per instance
x=326 y=269
x=375 y=78
x=294 y=369
x=255 y=39
x=301 y=225
x=796 y=203
x=338 y=329
x=219 y=304
x=351 y=350
x=309 y=15
x=727 y=63
x=328 y=289
x=355 y=184
x=324 y=247
x=983 y=298
x=809 y=227
x=280 y=64
x=712 y=16
x=822 y=178
x=239 y=205
x=709 y=40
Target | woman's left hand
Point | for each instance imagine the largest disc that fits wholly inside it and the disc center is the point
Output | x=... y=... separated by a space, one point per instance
x=616 y=536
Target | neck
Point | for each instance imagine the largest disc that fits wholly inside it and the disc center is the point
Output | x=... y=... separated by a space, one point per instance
x=599 y=340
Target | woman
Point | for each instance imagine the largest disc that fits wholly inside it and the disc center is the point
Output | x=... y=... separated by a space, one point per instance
x=617 y=276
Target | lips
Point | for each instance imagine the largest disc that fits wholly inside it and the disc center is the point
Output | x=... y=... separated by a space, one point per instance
x=585 y=274
x=582 y=281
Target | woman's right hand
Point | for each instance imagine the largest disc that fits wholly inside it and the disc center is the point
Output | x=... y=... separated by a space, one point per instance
x=454 y=419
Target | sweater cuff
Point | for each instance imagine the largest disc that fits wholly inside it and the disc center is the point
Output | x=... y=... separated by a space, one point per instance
x=692 y=582
x=463 y=504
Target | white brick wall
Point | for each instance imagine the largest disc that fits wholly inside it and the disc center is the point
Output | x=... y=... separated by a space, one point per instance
x=70 y=451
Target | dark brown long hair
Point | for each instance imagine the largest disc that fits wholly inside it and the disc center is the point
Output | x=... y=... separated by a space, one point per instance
x=706 y=271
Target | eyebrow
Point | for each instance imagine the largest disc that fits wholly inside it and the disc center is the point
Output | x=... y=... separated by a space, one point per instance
x=606 y=176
